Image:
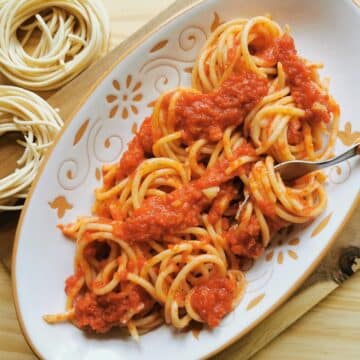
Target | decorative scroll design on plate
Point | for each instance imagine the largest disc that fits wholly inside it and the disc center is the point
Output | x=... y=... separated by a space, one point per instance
x=160 y=45
x=283 y=250
x=340 y=173
x=166 y=72
x=322 y=225
x=80 y=133
x=283 y=247
x=347 y=136
x=61 y=205
x=134 y=128
x=98 y=174
x=125 y=97
x=259 y=276
x=151 y=104
x=216 y=22
x=256 y=301
x=103 y=144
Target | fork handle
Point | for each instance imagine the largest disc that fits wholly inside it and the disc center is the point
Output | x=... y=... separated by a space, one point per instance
x=353 y=151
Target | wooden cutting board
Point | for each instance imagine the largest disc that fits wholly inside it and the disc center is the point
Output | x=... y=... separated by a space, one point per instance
x=316 y=336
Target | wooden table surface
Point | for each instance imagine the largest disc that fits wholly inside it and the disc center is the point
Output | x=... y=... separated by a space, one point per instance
x=329 y=331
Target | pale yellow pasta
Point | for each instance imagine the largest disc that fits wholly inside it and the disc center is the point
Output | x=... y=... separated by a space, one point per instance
x=73 y=34
x=26 y=113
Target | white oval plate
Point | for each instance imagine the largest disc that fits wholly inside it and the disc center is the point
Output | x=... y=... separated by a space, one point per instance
x=324 y=31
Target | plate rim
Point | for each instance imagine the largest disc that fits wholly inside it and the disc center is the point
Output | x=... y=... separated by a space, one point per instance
x=134 y=41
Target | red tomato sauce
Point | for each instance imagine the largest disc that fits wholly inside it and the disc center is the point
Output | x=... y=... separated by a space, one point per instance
x=267 y=207
x=245 y=242
x=199 y=116
x=221 y=203
x=138 y=148
x=161 y=215
x=213 y=299
x=208 y=115
x=101 y=313
x=262 y=46
x=71 y=281
x=232 y=52
x=216 y=175
x=97 y=250
x=276 y=224
x=307 y=95
x=103 y=208
x=294 y=133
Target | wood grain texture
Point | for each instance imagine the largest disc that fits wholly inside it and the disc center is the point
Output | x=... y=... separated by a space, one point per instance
x=12 y=343
x=9 y=154
x=327 y=331
x=330 y=331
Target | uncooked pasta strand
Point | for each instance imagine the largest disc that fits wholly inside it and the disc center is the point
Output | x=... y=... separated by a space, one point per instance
x=74 y=33
x=24 y=112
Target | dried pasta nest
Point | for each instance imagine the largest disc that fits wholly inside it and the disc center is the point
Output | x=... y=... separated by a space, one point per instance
x=45 y=44
x=24 y=112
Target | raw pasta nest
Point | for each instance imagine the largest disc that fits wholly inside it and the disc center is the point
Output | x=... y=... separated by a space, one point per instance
x=70 y=35
x=24 y=112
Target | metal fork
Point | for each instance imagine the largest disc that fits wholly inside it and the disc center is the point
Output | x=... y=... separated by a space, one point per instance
x=291 y=170
x=294 y=169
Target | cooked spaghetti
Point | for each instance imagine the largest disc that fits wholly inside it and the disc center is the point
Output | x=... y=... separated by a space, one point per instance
x=196 y=195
